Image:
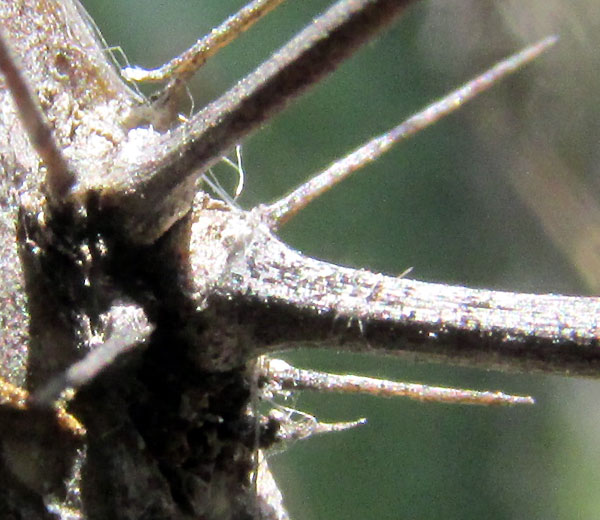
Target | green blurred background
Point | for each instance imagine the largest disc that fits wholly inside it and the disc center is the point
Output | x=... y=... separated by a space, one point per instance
x=501 y=195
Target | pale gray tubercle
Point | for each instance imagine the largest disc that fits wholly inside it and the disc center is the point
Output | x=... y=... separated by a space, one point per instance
x=219 y=241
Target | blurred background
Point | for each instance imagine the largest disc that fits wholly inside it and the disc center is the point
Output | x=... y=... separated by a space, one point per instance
x=503 y=194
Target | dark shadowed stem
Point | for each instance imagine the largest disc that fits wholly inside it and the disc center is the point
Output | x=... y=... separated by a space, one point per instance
x=58 y=177
x=195 y=146
x=284 y=209
x=129 y=327
x=19 y=398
